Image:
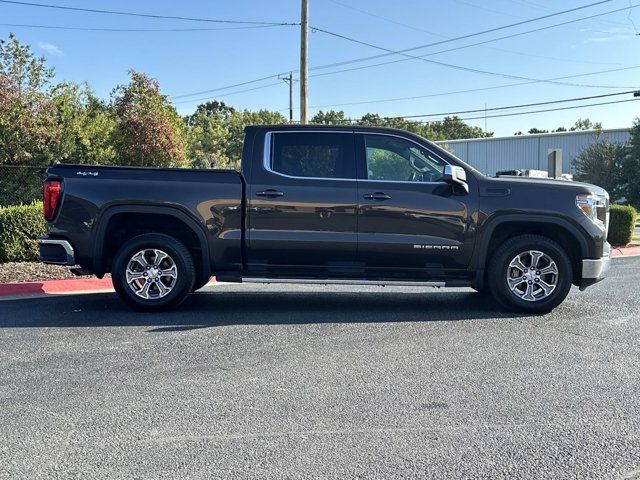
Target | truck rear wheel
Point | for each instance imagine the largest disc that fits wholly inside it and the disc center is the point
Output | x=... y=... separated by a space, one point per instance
x=530 y=273
x=153 y=272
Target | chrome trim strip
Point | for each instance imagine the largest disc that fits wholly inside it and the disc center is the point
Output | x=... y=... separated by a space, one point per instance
x=595 y=269
x=314 y=281
x=64 y=244
x=266 y=158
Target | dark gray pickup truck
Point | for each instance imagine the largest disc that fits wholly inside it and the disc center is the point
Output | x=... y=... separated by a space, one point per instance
x=311 y=204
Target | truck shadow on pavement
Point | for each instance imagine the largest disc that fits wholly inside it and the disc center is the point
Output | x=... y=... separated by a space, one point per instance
x=222 y=308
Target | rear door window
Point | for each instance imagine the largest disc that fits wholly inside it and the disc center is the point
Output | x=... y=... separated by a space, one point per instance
x=313 y=155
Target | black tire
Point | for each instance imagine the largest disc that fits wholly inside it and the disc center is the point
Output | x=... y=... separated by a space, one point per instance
x=200 y=283
x=499 y=271
x=485 y=290
x=180 y=287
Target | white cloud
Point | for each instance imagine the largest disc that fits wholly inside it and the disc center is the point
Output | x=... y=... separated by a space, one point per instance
x=610 y=38
x=50 y=48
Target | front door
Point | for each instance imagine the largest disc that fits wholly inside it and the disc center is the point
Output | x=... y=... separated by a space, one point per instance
x=302 y=204
x=410 y=222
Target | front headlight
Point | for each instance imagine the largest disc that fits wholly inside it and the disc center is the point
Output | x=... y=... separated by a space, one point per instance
x=594 y=207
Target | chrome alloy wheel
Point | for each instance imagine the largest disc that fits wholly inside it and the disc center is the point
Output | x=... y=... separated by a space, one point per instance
x=532 y=275
x=151 y=274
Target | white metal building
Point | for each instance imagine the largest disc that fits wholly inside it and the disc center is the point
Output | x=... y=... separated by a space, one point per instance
x=490 y=155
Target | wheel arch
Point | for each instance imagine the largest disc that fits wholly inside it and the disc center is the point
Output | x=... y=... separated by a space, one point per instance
x=561 y=231
x=190 y=232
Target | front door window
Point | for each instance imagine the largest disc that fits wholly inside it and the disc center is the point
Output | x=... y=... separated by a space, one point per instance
x=394 y=159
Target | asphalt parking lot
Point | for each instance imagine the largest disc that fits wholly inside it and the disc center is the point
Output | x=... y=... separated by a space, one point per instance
x=323 y=382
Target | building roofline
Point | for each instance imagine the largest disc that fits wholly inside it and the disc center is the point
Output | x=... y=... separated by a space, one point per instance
x=534 y=135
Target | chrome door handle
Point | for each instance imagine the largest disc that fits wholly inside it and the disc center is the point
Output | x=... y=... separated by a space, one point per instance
x=377 y=196
x=269 y=193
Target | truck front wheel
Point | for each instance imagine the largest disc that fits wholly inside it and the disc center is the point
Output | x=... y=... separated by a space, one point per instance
x=153 y=272
x=530 y=273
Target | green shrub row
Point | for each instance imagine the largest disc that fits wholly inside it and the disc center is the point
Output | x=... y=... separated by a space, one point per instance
x=621 y=224
x=20 y=226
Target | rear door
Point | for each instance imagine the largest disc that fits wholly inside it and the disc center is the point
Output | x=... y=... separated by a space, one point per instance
x=410 y=222
x=302 y=201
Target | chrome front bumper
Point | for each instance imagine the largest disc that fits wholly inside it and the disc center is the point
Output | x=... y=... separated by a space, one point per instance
x=595 y=269
x=56 y=251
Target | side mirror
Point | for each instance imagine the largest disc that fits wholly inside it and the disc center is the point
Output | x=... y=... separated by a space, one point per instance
x=456 y=176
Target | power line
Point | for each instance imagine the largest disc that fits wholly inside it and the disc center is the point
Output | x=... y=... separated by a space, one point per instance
x=96 y=29
x=469 y=35
x=362 y=59
x=145 y=15
x=471 y=90
x=550 y=109
x=227 y=94
x=523 y=105
x=457 y=67
x=386 y=19
x=415 y=97
x=373 y=57
x=515 y=52
x=514 y=114
x=227 y=87
x=486 y=9
x=538 y=6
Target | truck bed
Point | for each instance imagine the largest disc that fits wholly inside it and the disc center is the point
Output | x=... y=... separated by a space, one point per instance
x=92 y=195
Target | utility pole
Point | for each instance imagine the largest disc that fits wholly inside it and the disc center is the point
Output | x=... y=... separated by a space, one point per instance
x=304 y=30
x=289 y=81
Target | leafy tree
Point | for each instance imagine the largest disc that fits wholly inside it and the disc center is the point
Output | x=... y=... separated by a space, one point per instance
x=585 y=124
x=86 y=126
x=149 y=131
x=533 y=131
x=373 y=120
x=219 y=110
x=207 y=140
x=630 y=178
x=601 y=163
x=331 y=117
x=215 y=133
x=26 y=71
x=236 y=124
x=559 y=129
x=27 y=123
x=453 y=128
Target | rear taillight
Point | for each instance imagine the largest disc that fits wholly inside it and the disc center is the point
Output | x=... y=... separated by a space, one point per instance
x=52 y=192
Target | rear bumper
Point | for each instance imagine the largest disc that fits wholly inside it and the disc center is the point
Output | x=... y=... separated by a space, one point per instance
x=56 y=251
x=595 y=269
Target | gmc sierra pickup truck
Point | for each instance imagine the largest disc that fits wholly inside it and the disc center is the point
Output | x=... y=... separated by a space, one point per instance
x=317 y=204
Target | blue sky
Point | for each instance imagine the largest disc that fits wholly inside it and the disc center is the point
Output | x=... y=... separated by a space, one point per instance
x=186 y=62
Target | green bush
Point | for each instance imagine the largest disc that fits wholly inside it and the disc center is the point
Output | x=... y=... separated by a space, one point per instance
x=20 y=226
x=621 y=224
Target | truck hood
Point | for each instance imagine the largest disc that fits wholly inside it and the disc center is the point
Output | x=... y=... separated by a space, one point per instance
x=548 y=183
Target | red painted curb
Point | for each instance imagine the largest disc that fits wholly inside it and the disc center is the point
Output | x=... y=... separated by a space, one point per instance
x=625 y=251
x=56 y=286
x=74 y=285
